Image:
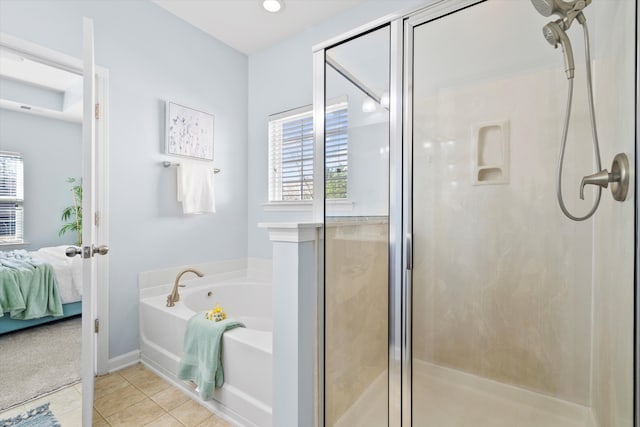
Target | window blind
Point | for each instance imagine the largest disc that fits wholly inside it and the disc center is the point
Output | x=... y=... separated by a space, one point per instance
x=291 y=154
x=336 y=153
x=11 y=197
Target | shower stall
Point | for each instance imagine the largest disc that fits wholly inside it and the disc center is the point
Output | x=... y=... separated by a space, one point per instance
x=455 y=290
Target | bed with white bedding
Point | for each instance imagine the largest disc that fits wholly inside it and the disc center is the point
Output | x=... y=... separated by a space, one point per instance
x=38 y=287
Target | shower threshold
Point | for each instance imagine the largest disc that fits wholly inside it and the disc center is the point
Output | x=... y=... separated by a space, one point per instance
x=453 y=398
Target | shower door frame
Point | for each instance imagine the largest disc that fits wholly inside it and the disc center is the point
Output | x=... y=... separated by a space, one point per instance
x=402 y=25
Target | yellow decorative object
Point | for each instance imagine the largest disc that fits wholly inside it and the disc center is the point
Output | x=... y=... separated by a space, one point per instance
x=217 y=314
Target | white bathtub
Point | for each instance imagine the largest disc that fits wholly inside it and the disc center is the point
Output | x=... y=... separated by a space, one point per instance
x=246 y=352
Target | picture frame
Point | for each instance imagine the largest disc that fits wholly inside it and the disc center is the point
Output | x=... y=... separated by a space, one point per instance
x=189 y=132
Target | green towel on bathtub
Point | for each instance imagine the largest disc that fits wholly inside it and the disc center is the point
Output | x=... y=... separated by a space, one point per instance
x=201 y=360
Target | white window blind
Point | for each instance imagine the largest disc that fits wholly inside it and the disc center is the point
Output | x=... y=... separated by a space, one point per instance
x=291 y=154
x=336 y=152
x=11 y=198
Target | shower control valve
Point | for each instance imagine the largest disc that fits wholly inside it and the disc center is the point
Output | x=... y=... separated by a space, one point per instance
x=618 y=177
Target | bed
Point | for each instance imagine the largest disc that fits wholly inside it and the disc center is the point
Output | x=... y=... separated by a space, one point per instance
x=49 y=283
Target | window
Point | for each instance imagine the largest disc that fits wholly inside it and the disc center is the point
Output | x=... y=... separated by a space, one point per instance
x=11 y=198
x=291 y=154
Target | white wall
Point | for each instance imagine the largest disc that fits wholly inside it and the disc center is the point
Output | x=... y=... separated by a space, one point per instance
x=613 y=285
x=280 y=78
x=152 y=56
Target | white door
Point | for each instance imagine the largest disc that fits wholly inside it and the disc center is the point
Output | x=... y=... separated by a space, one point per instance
x=89 y=246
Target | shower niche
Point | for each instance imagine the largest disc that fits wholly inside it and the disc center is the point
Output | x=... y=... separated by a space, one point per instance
x=490 y=156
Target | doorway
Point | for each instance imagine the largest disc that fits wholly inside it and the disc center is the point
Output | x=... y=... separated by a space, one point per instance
x=41 y=104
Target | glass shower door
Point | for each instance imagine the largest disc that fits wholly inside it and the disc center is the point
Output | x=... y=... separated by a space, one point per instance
x=356 y=191
x=520 y=316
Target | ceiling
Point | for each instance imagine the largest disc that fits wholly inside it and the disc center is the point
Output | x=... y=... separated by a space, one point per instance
x=246 y=26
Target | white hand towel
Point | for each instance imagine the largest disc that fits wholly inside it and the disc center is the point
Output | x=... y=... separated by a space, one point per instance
x=196 y=188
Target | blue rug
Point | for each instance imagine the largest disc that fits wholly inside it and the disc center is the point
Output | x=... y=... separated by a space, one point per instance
x=38 y=417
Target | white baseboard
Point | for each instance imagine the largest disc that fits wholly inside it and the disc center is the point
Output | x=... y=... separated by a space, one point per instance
x=124 y=360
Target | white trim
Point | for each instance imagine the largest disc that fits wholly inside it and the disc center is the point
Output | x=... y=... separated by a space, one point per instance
x=292 y=231
x=302 y=206
x=307 y=206
x=123 y=361
x=102 y=207
x=42 y=54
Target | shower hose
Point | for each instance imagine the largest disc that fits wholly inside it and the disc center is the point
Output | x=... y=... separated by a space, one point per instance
x=594 y=132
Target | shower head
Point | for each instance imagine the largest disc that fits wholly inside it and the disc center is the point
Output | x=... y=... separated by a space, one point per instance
x=550 y=7
x=554 y=34
x=566 y=10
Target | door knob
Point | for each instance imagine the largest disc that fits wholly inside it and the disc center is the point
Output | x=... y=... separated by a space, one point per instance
x=101 y=250
x=618 y=177
x=72 y=251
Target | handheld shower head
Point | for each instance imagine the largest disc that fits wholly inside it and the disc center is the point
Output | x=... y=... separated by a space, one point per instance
x=555 y=35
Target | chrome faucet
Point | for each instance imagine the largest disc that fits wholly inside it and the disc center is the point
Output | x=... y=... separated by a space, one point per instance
x=174 y=296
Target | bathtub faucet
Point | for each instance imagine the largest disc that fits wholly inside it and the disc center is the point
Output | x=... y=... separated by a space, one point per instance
x=174 y=296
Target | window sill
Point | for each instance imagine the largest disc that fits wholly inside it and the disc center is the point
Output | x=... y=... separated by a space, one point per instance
x=14 y=243
x=307 y=206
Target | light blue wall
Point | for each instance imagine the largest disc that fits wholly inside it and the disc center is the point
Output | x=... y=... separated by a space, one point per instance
x=281 y=78
x=152 y=56
x=51 y=151
x=31 y=95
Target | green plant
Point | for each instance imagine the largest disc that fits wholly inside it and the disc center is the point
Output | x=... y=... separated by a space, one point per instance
x=72 y=215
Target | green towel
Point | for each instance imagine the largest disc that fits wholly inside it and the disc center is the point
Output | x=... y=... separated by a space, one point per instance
x=10 y=296
x=28 y=288
x=201 y=360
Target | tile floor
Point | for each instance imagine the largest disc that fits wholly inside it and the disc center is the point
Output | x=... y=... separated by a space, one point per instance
x=134 y=396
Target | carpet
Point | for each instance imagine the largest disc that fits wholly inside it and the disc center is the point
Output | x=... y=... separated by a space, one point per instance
x=38 y=417
x=39 y=360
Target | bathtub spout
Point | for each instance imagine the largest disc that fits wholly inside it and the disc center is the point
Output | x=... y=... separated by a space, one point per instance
x=174 y=296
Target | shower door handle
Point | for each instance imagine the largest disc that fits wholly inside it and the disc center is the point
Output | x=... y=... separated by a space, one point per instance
x=409 y=251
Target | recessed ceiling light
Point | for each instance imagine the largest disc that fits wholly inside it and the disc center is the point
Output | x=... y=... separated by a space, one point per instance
x=273 y=6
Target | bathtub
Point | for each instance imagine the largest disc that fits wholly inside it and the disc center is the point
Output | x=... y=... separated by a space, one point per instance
x=246 y=394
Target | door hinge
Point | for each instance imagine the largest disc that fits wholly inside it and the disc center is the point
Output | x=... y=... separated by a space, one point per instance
x=96 y=219
x=97 y=111
x=96 y=325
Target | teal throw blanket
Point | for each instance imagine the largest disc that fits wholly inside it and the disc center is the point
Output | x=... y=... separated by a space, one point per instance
x=28 y=288
x=201 y=360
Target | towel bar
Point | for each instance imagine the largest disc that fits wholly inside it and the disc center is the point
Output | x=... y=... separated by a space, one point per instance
x=169 y=164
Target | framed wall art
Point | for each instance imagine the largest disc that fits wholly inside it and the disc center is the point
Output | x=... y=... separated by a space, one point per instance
x=189 y=132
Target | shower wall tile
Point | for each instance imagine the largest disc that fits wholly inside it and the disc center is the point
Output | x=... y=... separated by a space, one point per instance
x=356 y=311
x=502 y=282
x=613 y=226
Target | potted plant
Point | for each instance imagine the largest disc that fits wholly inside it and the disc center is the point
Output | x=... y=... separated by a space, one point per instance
x=72 y=215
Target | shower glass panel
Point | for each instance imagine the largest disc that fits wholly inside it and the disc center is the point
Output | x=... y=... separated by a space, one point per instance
x=357 y=231
x=520 y=316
